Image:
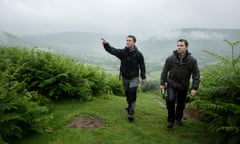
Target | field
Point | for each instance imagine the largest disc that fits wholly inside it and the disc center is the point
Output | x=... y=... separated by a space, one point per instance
x=149 y=126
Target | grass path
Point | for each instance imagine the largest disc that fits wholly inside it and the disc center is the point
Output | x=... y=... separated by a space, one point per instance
x=149 y=126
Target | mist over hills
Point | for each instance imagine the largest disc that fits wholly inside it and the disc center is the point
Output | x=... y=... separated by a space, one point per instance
x=87 y=46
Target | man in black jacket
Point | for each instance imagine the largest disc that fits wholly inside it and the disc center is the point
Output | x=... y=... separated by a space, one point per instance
x=176 y=74
x=132 y=61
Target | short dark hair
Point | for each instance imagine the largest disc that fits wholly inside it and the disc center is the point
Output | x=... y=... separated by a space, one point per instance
x=185 y=41
x=133 y=37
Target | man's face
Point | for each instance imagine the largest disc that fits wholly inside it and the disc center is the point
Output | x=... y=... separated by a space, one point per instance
x=130 y=43
x=181 y=47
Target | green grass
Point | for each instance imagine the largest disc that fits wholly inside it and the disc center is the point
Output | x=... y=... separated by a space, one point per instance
x=154 y=75
x=149 y=126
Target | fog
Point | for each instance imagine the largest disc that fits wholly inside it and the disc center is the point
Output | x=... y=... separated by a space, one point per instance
x=139 y=17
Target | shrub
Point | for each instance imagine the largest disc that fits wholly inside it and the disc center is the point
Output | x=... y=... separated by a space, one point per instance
x=53 y=76
x=220 y=97
x=115 y=86
x=29 y=78
x=21 y=112
x=151 y=86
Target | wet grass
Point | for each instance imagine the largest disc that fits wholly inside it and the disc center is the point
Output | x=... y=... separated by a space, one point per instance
x=149 y=126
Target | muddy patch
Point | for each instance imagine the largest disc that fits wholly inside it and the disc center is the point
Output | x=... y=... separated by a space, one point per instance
x=86 y=122
x=192 y=114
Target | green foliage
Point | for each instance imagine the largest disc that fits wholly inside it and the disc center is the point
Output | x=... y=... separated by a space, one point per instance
x=115 y=85
x=21 y=112
x=53 y=76
x=29 y=78
x=151 y=86
x=220 y=97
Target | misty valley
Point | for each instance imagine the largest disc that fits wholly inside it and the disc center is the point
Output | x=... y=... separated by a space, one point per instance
x=62 y=86
x=86 y=47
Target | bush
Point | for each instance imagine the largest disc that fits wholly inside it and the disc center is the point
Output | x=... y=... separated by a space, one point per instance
x=53 y=76
x=21 y=112
x=30 y=78
x=151 y=86
x=220 y=97
x=115 y=85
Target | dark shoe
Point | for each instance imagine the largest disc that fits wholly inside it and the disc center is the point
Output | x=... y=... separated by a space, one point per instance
x=170 y=124
x=178 y=122
x=130 y=117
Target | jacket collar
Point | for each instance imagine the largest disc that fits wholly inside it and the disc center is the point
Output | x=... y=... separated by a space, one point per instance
x=131 y=49
x=175 y=53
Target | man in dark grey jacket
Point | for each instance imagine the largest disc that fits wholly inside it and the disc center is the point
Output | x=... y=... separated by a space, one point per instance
x=176 y=74
x=132 y=61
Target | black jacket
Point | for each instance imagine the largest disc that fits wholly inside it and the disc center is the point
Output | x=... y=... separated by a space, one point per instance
x=177 y=72
x=131 y=61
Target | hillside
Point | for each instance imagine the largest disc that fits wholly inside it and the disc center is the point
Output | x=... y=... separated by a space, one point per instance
x=44 y=92
x=8 y=39
x=87 y=47
x=149 y=126
x=157 y=48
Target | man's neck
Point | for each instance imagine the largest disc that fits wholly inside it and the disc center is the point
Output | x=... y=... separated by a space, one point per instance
x=131 y=47
x=182 y=55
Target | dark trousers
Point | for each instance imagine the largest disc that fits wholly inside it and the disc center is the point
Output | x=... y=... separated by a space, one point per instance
x=130 y=87
x=131 y=94
x=173 y=96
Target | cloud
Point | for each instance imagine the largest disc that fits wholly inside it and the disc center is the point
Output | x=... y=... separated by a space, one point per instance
x=205 y=35
x=115 y=17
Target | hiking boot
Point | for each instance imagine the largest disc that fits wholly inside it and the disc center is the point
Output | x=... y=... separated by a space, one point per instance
x=130 y=117
x=170 y=124
x=178 y=122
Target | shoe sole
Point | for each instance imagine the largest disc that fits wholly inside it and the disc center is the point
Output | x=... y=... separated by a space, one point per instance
x=130 y=118
x=170 y=126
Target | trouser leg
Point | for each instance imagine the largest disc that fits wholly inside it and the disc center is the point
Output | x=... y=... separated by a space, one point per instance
x=171 y=103
x=132 y=99
x=130 y=87
x=126 y=88
x=127 y=96
x=181 y=101
x=128 y=100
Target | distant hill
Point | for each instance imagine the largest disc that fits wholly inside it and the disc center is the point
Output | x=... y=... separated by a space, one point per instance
x=158 y=48
x=86 y=46
x=80 y=45
x=8 y=39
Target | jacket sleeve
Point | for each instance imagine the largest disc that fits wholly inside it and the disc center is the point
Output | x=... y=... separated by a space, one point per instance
x=112 y=50
x=164 y=73
x=195 y=76
x=142 y=67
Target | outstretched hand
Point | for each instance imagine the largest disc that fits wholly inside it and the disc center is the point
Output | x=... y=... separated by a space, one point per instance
x=104 y=41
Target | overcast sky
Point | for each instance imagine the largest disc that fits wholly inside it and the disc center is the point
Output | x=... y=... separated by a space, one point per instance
x=116 y=16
